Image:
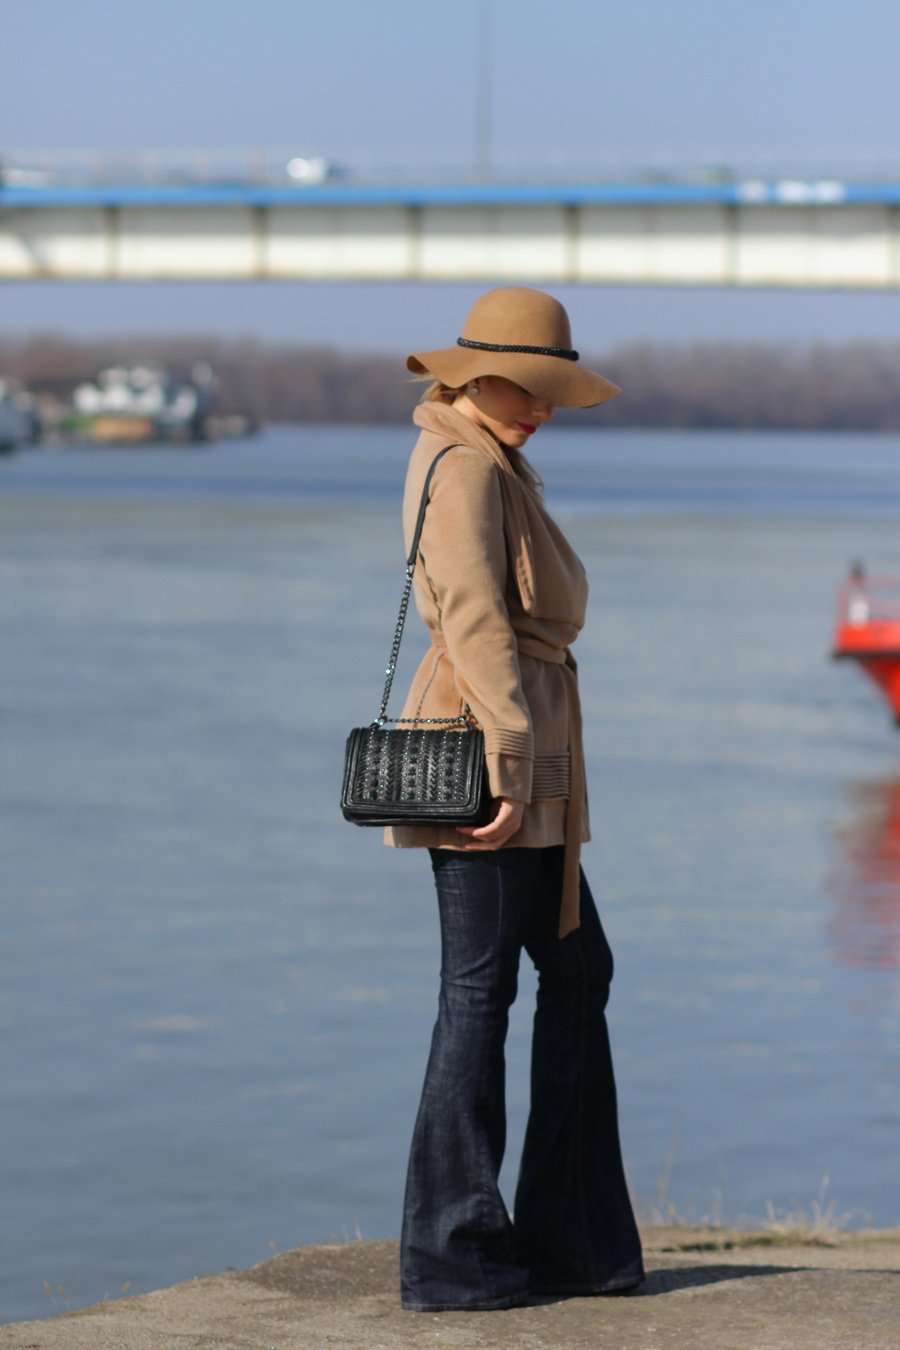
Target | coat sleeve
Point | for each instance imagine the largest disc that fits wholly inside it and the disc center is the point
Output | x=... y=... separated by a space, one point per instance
x=463 y=554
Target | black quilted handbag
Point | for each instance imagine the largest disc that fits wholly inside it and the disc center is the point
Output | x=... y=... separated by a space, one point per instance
x=419 y=770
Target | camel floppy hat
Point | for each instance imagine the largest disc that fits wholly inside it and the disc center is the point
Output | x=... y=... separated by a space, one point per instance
x=523 y=336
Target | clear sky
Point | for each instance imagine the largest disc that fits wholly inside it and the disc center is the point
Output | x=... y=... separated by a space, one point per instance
x=780 y=85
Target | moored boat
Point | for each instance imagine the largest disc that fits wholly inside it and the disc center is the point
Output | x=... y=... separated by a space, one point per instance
x=868 y=630
x=18 y=417
x=137 y=406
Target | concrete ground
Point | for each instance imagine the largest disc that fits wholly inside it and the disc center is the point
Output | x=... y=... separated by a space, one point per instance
x=707 y=1289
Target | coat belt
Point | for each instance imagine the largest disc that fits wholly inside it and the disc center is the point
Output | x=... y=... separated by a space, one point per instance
x=570 y=908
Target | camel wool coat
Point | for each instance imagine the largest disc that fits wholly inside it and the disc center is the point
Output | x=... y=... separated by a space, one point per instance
x=503 y=595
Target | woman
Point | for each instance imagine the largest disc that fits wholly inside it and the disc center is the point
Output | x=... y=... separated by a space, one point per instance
x=503 y=596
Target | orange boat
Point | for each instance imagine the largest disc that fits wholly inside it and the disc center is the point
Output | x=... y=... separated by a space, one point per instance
x=868 y=630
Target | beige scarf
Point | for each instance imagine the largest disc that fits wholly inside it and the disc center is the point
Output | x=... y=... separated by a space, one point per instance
x=446 y=421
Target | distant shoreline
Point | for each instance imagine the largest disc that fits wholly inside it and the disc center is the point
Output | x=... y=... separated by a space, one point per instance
x=715 y=386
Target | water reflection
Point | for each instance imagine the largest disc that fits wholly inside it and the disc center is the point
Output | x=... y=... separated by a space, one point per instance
x=865 y=880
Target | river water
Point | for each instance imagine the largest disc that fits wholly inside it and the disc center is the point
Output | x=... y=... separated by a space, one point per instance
x=217 y=996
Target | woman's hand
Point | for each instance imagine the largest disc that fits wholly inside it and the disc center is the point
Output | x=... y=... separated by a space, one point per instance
x=506 y=821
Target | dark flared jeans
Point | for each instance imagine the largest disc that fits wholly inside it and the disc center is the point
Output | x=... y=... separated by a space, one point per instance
x=573 y=1230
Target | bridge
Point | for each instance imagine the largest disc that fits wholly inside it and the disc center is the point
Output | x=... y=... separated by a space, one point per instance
x=813 y=233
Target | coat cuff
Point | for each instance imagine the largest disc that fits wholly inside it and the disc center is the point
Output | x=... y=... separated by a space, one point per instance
x=509 y=776
x=506 y=741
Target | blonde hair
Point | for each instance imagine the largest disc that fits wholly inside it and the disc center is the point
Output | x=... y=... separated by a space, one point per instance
x=439 y=393
x=446 y=394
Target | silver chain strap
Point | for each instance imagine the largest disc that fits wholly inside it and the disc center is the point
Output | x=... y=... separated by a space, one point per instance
x=465 y=717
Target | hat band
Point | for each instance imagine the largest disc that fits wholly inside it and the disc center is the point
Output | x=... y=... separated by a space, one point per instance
x=518 y=347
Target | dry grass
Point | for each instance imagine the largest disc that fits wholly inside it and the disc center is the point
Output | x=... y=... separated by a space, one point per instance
x=819 y=1223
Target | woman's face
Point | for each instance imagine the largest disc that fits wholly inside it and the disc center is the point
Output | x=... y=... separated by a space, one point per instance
x=504 y=409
